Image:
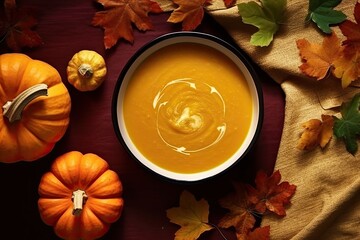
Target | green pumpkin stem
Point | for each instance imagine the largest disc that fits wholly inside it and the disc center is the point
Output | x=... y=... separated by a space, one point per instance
x=79 y=197
x=13 y=109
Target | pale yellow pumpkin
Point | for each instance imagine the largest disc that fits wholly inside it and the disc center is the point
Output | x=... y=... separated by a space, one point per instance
x=86 y=70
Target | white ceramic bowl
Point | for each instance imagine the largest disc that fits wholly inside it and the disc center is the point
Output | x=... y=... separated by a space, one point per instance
x=199 y=38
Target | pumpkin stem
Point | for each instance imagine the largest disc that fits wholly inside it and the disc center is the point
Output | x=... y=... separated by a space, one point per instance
x=79 y=197
x=13 y=109
x=85 y=70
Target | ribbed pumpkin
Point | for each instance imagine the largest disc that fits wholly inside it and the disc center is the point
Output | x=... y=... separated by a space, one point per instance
x=86 y=70
x=36 y=108
x=80 y=196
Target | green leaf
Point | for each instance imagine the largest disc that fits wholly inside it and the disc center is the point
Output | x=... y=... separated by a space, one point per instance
x=348 y=127
x=322 y=13
x=266 y=16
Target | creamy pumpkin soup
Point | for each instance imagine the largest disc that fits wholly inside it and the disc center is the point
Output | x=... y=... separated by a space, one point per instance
x=187 y=108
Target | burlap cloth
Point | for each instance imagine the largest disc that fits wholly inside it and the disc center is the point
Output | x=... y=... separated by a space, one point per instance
x=326 y=204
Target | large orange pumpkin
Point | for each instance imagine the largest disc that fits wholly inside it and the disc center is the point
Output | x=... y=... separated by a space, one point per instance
x=36 y=108
x=80 y=196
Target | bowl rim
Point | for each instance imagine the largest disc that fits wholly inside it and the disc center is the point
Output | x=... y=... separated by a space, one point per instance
x=188 y=177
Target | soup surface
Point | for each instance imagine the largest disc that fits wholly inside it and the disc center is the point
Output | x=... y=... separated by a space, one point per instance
x=187 y=108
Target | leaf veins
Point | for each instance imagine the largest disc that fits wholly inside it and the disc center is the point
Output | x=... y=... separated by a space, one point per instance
x=348 y=127
x=240 y=211
x=270 y=194
x=191 y=215
x=322 y=13
x=17 y=27
x=266 y=16
x=190 y=13
x=119 y=15
x=317 y=59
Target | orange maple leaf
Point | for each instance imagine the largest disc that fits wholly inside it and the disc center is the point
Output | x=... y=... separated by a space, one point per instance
x=191 y=215
x=16 y=26
x=317 y=59
x=270 y=194
x=260 y=233
x=347 y=66
x=239 y=215
x=190 y=13
x=317 y=132
x=118 y=16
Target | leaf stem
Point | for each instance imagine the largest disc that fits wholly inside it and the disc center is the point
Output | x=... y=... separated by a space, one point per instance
x=218 y=229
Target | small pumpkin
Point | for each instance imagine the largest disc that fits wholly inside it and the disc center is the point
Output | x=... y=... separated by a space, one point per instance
x=80 y=196
x=36 y=108
x=86 y=70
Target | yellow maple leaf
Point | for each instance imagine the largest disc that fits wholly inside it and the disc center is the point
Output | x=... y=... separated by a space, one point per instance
x=347 y=66
x=191 y=215
x=317 y=132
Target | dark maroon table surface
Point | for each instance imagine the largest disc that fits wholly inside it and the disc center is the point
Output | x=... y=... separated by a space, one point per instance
x=65 y=29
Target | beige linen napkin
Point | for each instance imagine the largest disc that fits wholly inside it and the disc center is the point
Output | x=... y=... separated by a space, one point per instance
x=326 y=204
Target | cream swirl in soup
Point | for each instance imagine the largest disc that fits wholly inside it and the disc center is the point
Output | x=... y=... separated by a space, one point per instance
x=187 y=108
x=194 y=111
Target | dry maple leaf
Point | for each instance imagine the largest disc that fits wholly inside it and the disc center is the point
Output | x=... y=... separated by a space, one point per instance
x=317 y=132
x=239 y=215
x=347 y=66
x=318 y=59
x=16 y=27
x=190 y=13
x=119 y=15
x=270 y=194
x=229 y=3
x=351 y=30
x=260 y=233
x=191 y=215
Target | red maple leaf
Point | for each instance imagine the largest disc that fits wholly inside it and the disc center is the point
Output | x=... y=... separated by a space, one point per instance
x=270 y=194
x=229 y=3
x=190 y=13
x=16 y=27
x=119 y=15
x=240 y=211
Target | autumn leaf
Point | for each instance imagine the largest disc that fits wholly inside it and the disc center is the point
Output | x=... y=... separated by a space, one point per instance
x=260 y=233
x=347 y=66
x=191 y=215
x=317 y=132
x=240 y=211
x=119 y=15
x=270 y=194
x=322 y=13
x=266 y=16
x=351 y=30
x=17 y=27
x=317 y=59
x=229 y=3
x=348 y=127
x=190 y=13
